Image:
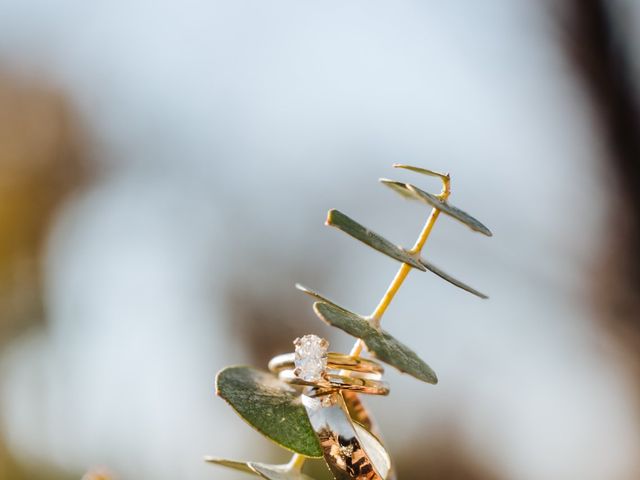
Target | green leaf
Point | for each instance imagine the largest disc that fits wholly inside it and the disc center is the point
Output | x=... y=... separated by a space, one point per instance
x=432 y=268
x=423 y=171
x=315 y=295
x=450 y=210
x=270 y=406
x=411 y=191
x=337 y=219
x=398 y=187
x=385 y=350
x=264 y=470
x=383 y=345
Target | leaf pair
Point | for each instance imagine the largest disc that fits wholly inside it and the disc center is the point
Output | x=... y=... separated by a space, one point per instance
x=337 y=219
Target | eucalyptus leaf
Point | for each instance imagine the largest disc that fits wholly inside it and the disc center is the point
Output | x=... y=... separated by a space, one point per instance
x=264 y=470
x=411 y=191
x=446 y=207
x=388 y=348
x=270 y=406
x=316 y=295
x=337 y=219
x=385 y=347
x=398 y=187
x=423 y=171
x=432 y=268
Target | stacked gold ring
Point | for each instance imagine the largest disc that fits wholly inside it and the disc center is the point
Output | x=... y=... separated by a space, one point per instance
x=328 y=371
x=335 y=361
x=333 y=382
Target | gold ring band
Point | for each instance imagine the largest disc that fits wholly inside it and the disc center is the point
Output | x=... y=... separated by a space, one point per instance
x=331 y=382
x=335 y=361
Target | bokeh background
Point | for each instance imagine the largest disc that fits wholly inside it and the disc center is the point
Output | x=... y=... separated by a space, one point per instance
x=165 y=170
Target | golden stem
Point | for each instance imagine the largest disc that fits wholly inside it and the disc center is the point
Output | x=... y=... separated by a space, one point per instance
x=296 y=463
x=396 y=283
x=400 y=277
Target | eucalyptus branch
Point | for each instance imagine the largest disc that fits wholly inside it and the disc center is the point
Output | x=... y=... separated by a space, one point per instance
x=260 y=397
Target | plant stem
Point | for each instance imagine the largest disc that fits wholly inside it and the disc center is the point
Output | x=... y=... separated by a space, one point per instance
x=296 y=463
x=297 y=460
x=396 y=283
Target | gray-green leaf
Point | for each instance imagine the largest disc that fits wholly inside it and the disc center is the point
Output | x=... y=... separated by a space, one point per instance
x=337 y=219
x=270 y=406
x=398 y=187
x=316 y=295
x=411 y=191
x=264 y=470
x=383 y=345
x=423 y=171
x=454 y=281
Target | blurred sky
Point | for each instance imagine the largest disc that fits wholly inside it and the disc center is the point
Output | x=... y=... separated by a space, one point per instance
x=223 y=132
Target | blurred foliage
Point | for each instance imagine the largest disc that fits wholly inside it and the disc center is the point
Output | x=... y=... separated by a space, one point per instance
x=42 y=161
x=442 y=457
x=600 y=49
x=11 y=469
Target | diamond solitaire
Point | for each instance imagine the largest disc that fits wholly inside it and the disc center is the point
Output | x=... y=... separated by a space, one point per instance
x=310 y=357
